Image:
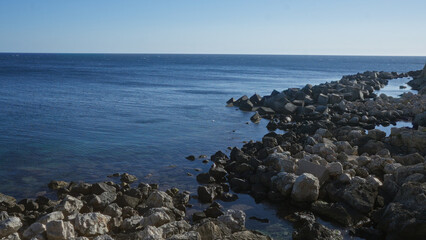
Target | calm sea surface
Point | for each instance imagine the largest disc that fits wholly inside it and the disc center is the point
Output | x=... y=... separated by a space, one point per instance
x=82 y=117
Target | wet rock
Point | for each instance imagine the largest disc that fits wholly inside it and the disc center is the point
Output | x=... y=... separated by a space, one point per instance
x=218 y=173
x=256 y=118
x=305 y=188
x=206 y=194
x=240 y=185
x=305 y=228
x=197 y=216
x=234 y=219
x=55 y=185
x=205 y=178
x=214 y=210
x=60 y=230
x=190 y=157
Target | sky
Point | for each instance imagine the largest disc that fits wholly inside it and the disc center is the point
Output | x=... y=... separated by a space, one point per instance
x=308 y=27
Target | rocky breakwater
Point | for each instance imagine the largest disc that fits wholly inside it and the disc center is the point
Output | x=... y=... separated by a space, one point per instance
x=331 y=162
x=107 y=210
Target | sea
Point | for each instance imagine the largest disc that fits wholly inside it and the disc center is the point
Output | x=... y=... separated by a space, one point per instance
x=82 y=117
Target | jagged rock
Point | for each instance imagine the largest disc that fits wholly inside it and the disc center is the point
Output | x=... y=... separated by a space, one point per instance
x=128 y=178
x=233 y=219
x=113 y=210
x=191 y=235
x=173 y=228
x=157 y=218
x=305 y=188
x=150 y=233
x=305 y=228
x=360 y=195
x=69 y=205
x=206 y=194
x=92 y=224
x=159 y=199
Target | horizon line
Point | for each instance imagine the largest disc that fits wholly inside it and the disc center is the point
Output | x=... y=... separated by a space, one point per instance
x=249 y=54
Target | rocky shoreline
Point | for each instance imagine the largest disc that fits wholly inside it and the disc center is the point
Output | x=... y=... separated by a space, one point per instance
x=331 y=163
x=107 y=210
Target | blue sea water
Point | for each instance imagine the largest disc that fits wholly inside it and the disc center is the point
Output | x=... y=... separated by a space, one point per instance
x=82 y=117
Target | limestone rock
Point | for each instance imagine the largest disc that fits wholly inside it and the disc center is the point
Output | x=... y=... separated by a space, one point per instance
x=306 y=188
x=92 y=224
x=59 y=230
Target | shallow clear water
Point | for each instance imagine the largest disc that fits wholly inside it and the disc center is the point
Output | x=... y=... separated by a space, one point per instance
x=85 y=116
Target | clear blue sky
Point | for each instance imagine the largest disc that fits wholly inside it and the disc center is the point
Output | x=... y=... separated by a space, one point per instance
x=343 y=27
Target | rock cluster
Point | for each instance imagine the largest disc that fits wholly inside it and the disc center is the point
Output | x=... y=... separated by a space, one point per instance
x=107 y=210
x=333 y=162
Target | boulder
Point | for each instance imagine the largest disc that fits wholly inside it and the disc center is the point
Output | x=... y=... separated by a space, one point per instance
x=173 y=228
x=233 y=219
x=206 y=193
x=376 y=134
x=33 y=230
x=159 y=199
x=280 y=162
x=284 y=182
x=53 y=216
x=60 y=230
x=306 y=228
x=305 y=188
x=150 y=233
x=69 y=205
x=92 y=224
x=157 y=218
x=319 y=171
x=128 y=178
x=322 y=99
x=334 y=168
x=9 y=226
